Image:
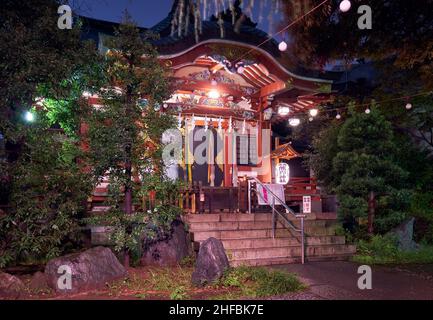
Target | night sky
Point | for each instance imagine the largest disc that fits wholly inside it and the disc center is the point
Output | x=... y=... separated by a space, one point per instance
x=149 y=12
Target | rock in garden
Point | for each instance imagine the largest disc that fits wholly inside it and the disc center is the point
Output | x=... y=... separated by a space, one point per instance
x=211 y=262
x=169 y=250
x=10 y=286
x=38 y=282
x=404 y=234
x=87 y=270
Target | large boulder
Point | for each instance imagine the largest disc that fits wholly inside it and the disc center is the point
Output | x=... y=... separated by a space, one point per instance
x=89 y=269
x=10 y=286
x=404 y=235
x=168 y=250
x=211 y=262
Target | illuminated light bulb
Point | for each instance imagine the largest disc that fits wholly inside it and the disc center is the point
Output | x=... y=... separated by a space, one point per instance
x=283 y=111
x=338 y=116
x=214 y=94
x=345 y=5
x=282 y=46
x=408 y=106
x=294 y=122
x=314 y=112
x=367 y=111
x=29 y=116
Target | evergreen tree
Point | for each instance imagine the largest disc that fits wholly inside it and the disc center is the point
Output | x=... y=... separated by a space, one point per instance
x=358 y=158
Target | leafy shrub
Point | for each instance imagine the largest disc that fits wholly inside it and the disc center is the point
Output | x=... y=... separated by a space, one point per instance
x=261 y=282
x=384 y=250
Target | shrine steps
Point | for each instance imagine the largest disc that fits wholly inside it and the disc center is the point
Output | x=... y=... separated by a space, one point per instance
x=247 y=238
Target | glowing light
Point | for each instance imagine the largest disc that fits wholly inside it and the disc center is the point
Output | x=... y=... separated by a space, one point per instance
x=338 y=116
x=345 y=5
x=29 y=116
x=314 y=112
x=311 y=119
x=282 y=46
x=214 y=94
x=367 y=111
x=408 y=106
x=283 y=111
x=294 y=122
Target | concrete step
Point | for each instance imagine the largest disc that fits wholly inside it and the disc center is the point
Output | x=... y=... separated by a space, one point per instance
x=280 y=242
x=230 y=217
x=281 y=261
x=289 y=252
x=259 y=233
x=249 y=225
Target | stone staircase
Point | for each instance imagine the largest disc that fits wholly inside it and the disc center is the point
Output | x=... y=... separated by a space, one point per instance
x=247 y=238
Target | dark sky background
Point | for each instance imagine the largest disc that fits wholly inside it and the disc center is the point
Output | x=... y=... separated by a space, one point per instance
x=149 y=12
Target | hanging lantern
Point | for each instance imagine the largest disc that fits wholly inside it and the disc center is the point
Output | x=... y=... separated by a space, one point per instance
x=283 y=111
x=282 y=46
x=294 y=122
x=345 y=5
x=282 y=173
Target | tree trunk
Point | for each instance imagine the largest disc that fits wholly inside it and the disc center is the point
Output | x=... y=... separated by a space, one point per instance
x=371 y=212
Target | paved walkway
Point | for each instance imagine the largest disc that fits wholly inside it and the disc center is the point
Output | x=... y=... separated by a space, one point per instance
x=337 y=280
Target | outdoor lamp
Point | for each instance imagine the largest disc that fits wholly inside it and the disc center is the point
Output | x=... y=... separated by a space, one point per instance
x=314 y=112
x=214 y=94
x=294 y=122
x=408 y=106
x=283 y=111
x=29 y=116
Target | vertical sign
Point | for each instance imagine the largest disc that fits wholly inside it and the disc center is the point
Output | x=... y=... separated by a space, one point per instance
x=306 y=201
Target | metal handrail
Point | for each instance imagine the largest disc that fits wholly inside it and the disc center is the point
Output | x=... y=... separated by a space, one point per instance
x=276 y=213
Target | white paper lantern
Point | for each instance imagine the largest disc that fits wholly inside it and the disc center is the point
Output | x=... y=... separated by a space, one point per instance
x=282 y=46
x=345 y=5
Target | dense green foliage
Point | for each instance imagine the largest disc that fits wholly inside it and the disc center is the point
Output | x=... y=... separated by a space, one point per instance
x=49 y=191
x=384 y=250
x=260 y=282
x=358 y=157
x=43 y=185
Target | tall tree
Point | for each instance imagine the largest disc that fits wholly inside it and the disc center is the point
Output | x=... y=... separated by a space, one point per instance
x=125 y=133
